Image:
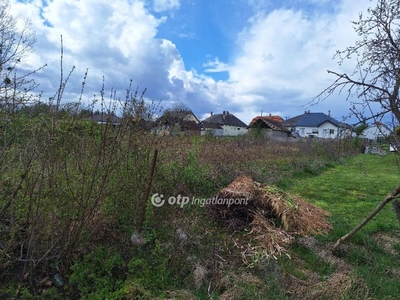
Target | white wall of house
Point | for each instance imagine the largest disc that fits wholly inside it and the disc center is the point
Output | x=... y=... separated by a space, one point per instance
x=191 y=117
x=328 y=130
x=374 y=132
x=325 y=130
x=212 y=131
x=233 y=130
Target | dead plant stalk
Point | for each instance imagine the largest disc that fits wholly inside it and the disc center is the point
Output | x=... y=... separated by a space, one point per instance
x=388 y=198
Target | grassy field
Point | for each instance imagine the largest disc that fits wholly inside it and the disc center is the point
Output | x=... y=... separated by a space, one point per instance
x=350 y=192
x=73 y=193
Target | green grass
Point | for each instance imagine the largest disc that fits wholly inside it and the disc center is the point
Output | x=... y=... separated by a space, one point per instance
x=350 y=192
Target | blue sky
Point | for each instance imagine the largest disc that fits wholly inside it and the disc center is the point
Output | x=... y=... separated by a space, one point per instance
x=243 y=56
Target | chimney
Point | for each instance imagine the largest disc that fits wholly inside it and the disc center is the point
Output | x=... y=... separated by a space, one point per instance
x=329 y=113
x=224 y=112
x=211 y=113
x=227 y=112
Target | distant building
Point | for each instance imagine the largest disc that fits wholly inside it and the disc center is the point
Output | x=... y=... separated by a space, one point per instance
x=317 y=125
x=225 y=124
x=175 y=122
x=271 y=126
x=104 y=118
x=376 y=131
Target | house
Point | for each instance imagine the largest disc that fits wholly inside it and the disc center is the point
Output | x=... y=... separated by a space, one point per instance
x=376 y=131
x=105 y=118
x=226 y=123
x=270 y=126
x=317 y=125
x=176 y=122
x=213 y=129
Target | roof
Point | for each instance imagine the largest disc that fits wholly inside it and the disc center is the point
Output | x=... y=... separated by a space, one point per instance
x=175 y=117
x=261 y=122
x=225 y=119
x=379 y=124
x=277 y=119
x=104 y=118
x=209 y=125
x=311 y=120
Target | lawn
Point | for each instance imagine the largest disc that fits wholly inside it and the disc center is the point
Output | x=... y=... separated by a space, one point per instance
x=369 y=261
x=352 y=190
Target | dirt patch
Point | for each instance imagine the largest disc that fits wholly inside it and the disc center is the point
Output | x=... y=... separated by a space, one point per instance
x=387 y=241
x=340 y=283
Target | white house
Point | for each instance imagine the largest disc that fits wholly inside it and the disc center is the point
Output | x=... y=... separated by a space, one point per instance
x=376 y=131
x=225 y=124
x=317 y=125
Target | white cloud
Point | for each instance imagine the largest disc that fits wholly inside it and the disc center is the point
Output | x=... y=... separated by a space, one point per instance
x=163 y=5
x=282 y=57
x=277 y=65
x=215 y=66
x=115 y=39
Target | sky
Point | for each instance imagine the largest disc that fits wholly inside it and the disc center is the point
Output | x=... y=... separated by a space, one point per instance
x=248 y=57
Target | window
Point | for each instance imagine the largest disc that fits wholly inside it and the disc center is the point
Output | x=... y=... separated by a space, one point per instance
x=238 y=128
x=315 y=131
x=331 y=131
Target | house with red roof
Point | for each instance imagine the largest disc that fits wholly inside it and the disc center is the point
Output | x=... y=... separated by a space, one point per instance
x=270 y=126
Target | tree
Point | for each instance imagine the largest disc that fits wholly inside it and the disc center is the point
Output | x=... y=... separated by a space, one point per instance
x=360 y=128
x=375 y=81
x=15 y=43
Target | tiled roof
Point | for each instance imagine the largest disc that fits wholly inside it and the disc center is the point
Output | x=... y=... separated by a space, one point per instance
x=311 y=120
x=267 y=123
x=266 y=118
x=225 y=119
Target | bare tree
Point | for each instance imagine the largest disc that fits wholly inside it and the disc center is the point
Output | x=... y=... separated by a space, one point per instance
x=15 y=43
x=375 y=82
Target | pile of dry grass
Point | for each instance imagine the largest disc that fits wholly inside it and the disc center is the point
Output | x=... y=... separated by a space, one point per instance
x=273 y=216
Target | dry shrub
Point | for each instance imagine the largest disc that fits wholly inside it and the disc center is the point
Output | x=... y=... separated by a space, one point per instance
x=273 y=216
x=272 y=240
x=295 y=214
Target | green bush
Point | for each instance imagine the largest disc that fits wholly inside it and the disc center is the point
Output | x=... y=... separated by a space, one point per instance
x=100 y=275
x=196 y=176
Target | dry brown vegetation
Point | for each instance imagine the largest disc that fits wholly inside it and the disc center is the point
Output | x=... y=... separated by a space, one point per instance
x=272 y=216
x=84 y=189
